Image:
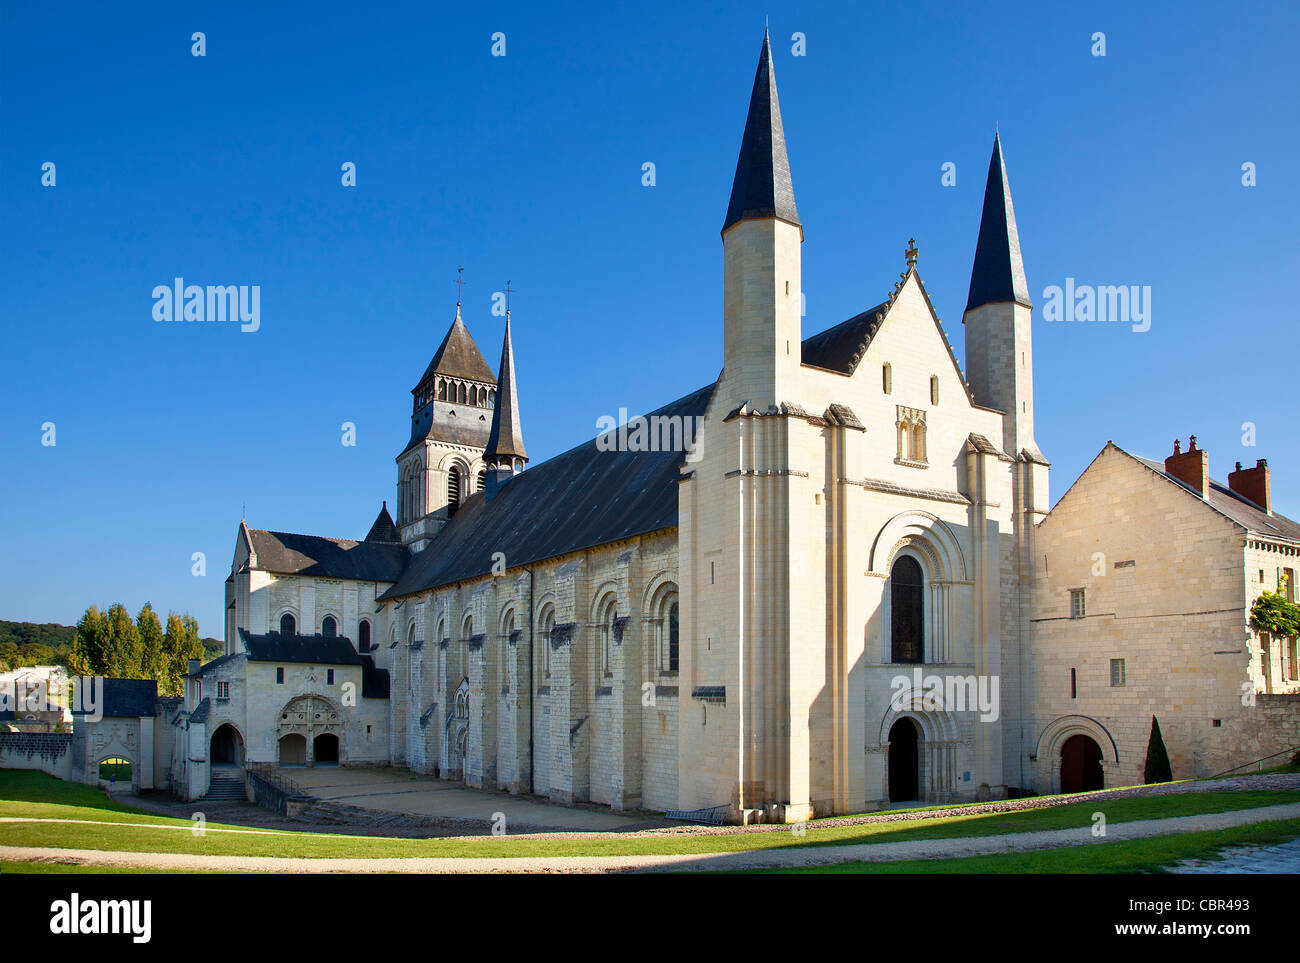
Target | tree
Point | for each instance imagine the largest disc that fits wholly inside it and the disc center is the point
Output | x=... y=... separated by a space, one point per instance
x=1157 y=767
x=4 y=666
x=180 y=643
x=151 y=643
x=34 y=653
x=90 y=645
x=123 y=644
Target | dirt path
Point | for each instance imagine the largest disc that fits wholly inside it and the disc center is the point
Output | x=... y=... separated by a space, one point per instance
x=761 y=859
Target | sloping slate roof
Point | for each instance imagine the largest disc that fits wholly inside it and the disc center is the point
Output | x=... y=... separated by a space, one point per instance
x=458 y=356
x=1227 y=502
x=200 y=713
x=383 y=530
x=762 y=186
x=998 y=274
x=219 y=661
x=318 y=649
x=126 y=697
x=292 y=554
x=841 y=348
x=375 y=683
x=582 y=498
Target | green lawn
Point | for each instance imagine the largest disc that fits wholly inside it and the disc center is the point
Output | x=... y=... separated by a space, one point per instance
x=1136 y=856
x=36 y=795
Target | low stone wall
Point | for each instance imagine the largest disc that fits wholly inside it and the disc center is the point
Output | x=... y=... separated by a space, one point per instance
x=47 y=751
x=1269 y=726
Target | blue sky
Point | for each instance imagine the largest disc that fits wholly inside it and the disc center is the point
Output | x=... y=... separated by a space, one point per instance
x=225 y=169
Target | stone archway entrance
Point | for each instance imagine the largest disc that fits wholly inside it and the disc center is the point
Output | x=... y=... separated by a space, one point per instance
x=319 y=726
x=904 y=761
x=293 y=749
x=227 y=746
x=1081 y=765
x=325 y=749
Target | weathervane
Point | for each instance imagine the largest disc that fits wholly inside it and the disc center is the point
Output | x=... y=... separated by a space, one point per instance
x=460 y=283
x=509 y=291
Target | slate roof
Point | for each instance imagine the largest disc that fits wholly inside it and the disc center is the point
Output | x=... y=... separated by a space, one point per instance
x=316 y=649
x=219 y=661
x=291 y=554
x=383 y=530
x=125 y=698
x=200 y=713
x=457 y=357
x=582 y=498
x=506 y=438
x=841 y=348
x=374 y=682
x=998 y=275
x=762 y=186
x=1238 y=508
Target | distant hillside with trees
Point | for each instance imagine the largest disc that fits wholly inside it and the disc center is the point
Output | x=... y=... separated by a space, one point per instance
x=112 y=644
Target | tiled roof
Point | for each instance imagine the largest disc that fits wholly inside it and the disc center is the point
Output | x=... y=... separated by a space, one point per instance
x=841 y=348
x=1227 y=502
x=124 y=698
x=458 y=357
x=580 y=499
x=998 y=274
x=291 y=554
x=762 y=186
x=316 y=649
x=383 y=530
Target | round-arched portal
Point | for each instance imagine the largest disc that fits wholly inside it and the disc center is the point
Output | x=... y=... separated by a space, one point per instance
x=325 y=749
x=293 y=750
x=1081 y=765
x=227 y=747
x=904 y=761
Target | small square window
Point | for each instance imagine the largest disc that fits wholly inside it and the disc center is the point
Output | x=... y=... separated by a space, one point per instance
x=1077 y=609
x=279 y=675
x=1217 y=723
x=1116 y=672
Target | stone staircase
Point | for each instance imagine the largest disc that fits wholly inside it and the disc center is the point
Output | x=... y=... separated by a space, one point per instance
x=227 y=785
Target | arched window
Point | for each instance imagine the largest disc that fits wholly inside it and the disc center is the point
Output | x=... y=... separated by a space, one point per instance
x=442 y=390
x=328 y=627
x=507 y=653
x=410 y=633
x=674 y=640
x=492 y=398
x=545 y=623
x=482 y=479
x=453 y=491
x=462 y=394
x=906 y=611
x=288 y=625
x=363 y=635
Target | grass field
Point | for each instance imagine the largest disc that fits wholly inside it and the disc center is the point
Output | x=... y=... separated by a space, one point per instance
x=34 y=795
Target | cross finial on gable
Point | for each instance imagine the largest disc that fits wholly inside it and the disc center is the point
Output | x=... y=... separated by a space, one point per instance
x=911 y=252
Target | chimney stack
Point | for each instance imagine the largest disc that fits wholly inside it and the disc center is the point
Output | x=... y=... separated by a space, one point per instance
x=1253 y=483
x=1191 y=467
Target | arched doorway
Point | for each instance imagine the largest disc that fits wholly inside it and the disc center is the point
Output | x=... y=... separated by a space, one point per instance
x=293 y=750
x=1081 y=765
x=904 y=768
x=227 y=748
x=325 y=749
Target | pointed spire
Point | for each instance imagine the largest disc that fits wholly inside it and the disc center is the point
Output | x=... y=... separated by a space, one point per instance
x=384 y=530
x=457 y=357
x=998 y=275
x=505 y=448
x=762 y=186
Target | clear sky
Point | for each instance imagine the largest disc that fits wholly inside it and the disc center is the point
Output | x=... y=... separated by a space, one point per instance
x=225 y=169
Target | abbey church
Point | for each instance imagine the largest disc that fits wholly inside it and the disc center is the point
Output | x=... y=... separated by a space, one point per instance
x=751 y=624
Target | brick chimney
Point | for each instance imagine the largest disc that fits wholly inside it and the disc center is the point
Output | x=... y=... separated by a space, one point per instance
x=1191 y=467
x=1253 y=483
